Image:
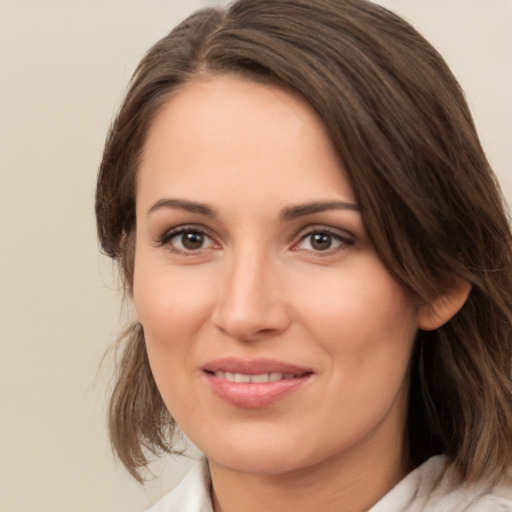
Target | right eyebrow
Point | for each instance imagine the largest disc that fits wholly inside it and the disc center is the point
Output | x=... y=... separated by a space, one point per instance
x=181 y=204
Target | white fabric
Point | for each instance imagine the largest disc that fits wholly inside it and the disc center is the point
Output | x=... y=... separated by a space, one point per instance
x=430 y=488
x=191 y=495
x=434 y=487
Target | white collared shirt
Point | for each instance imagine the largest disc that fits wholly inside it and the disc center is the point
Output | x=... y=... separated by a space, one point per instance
x=432 y=487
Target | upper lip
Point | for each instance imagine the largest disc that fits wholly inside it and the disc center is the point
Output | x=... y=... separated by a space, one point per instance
x=253 y=366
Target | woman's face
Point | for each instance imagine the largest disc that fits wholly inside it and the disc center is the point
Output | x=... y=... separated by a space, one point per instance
x=277 y=337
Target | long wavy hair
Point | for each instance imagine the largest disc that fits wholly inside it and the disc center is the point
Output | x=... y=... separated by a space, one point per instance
x=429 y=201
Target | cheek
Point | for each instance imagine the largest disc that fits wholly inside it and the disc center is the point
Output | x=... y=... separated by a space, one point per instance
x=362 y=317
x=172 y=307
x=365 y=325
x=166 y=299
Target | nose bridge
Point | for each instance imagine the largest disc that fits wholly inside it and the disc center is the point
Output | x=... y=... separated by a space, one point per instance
x=250 y=305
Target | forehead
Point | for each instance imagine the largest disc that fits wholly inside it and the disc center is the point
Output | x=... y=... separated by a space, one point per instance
x=232 y=132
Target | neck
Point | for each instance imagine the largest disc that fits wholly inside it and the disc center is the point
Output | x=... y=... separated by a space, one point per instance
x=352 y=482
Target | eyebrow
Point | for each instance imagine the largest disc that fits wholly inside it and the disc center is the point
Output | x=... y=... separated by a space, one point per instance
x=288 y=213
x=310 y=208
x=181 y=204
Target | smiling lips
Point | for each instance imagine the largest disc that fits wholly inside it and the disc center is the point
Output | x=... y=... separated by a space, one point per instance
x=254 y=384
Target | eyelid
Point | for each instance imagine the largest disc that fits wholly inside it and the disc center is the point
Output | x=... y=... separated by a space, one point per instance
x=341 y=235
x=345 y=238
x=166 y=237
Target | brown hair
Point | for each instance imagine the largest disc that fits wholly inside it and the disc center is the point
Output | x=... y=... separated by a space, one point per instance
x=428 y=197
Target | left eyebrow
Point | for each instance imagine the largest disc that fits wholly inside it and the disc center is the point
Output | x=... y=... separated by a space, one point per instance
x=293 y=212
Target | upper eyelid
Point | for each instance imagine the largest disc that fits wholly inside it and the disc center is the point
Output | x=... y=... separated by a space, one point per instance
x=343 y=236
x=164 y=241
x=170 y=233
x=319 y=228
x=299 y=235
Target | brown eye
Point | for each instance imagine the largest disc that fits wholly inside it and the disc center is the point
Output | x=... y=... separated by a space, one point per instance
x=324 y=241
x=321 y=241
x=192 y=240
x=187 y=240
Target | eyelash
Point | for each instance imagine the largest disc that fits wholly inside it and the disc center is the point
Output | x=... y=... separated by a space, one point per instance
x=166 y=238
x=344 y=241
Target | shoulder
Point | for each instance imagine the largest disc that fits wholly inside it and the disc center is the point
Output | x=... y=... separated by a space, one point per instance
x=191 y=495
x=434 y=487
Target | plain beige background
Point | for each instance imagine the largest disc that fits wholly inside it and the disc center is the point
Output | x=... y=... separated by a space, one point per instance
x=63 y=68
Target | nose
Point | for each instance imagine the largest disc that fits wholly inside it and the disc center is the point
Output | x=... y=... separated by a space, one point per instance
x=251 y=304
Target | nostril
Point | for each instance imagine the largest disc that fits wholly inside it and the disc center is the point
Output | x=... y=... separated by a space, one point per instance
x=258 y=334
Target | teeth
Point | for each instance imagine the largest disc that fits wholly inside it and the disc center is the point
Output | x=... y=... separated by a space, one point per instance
x=264 y=377
x=244 y=378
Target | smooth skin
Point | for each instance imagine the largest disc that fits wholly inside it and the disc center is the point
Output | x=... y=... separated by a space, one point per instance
x=232 y=261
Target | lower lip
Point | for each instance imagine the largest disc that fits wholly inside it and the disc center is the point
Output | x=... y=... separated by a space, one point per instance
x=252 y=395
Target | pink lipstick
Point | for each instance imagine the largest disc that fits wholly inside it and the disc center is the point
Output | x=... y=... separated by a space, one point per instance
x=255 y=383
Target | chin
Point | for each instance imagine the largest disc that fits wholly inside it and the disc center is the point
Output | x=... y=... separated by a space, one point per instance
x=258 y=462
x=261 y=455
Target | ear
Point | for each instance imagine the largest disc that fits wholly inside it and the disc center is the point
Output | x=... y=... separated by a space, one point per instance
x=439 y=311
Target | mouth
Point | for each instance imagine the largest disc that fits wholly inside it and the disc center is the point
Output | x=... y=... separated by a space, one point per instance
x=256 y=383
x=257 y=379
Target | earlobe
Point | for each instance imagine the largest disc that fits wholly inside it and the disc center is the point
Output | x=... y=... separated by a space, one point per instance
x=443 y=308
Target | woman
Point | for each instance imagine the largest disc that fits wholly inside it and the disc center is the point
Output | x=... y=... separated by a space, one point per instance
x=319 y=263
